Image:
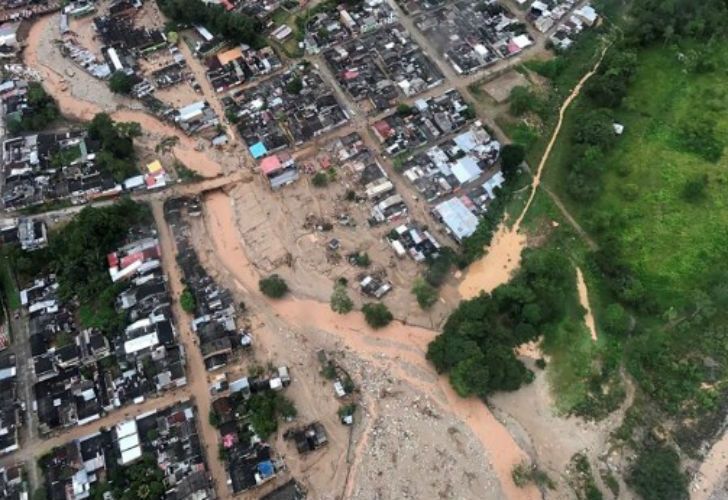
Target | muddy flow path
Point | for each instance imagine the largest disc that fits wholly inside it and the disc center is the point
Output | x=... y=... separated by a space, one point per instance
x=503 y=257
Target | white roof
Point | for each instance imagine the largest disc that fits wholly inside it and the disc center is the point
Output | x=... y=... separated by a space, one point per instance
x=456 y=216
x=125 y=428
x=128 y=442
x=466 y=169
x=141 y=343
x=130 y=455
x=467 y=141
x=494 y=182
x=522 y=41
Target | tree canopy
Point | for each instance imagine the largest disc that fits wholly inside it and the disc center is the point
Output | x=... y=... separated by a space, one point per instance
x=232 y=26
x=377 y=315
x=477 y=341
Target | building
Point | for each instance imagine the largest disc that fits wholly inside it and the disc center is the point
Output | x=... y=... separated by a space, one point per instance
x=457 y=218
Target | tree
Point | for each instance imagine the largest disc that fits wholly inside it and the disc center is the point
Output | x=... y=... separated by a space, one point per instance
x=273 y=286
x=512 y=155
x=320 y=179
x=294 y=85
x=340 y=301
x=656 y=474
x=426 y=295
x=213 y=418
x=404 y=109
x=121 y=83
x=694 y=189
x=595 y=129
x=377 y=315
x=361 y=259
x=616 y=320
x=187 y=301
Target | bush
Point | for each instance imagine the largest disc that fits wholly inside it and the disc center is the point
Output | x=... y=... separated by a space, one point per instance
x=273 y=286
x=656 y=474
x=426 y=295
x=361 y=259
x=187 y=301
x=377 y=315
x=340 y=301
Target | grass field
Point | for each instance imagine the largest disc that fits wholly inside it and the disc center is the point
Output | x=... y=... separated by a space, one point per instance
x=673 y=244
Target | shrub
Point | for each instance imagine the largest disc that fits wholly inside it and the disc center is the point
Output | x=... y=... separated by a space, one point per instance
x=187 y=301
x=361 y=259
x=340 y=301
x=273 y=286
x=426 y=295
x=377 y=315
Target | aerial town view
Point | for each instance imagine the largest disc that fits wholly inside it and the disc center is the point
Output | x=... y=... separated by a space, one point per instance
x=363 y=249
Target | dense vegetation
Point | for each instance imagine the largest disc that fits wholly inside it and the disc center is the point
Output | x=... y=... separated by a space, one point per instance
x=653 y=200
x=143 y=479
x=43 y=111
x=116 y=155
x=231 y=26
x=121 y=83
x=655 y=475
x=77 y=255
x=477 y=341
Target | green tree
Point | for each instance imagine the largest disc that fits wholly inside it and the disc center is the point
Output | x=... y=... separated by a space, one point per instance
x=616 y=319
x=512 y=155
x=595 y=128
x=520 y=100
x=187 y=301
x=340 y=301
x=426 y=295
x=320 y=179
x=273 y=286
x=121 y=83
x=656 y=474
x=294 y=85
x=377 y=315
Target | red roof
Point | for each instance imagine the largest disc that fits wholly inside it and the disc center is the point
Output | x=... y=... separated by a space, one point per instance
x=270 y=164
x=350 y=74
x=383 y=128
x=112 y=259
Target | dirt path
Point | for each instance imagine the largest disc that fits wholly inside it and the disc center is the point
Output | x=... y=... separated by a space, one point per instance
x=584 y=300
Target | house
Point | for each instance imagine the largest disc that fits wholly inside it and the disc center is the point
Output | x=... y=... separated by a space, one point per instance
x=279 y=169
x=8 y=34
x=457 y=218
x=32 y=234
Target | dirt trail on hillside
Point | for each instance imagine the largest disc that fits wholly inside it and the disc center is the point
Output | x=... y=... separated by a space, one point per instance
x=503 y=257
x=403 y=344
x=40 y=51
x=584 y=300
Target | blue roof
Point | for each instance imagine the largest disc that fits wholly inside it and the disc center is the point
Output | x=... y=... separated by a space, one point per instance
x=258 y=150
x=265 y=469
